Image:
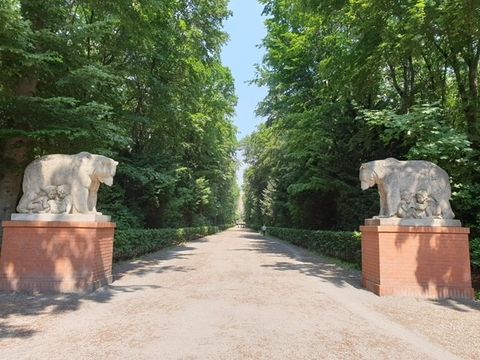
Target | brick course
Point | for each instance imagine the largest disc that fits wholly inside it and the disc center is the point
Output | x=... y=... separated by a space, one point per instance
x=56 y=256
x=430 y=262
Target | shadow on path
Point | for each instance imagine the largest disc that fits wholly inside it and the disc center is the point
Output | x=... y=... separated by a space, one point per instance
x=462 y=305
x=12 y=304
x=300 y=260
x=151 y=263
x=9 y=331
x=325 y=268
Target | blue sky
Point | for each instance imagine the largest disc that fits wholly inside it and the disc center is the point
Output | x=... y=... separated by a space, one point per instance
x=246 y=31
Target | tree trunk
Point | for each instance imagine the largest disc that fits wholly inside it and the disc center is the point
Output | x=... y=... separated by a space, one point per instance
x=406 y=90
x=471 y=108
x=15 y=156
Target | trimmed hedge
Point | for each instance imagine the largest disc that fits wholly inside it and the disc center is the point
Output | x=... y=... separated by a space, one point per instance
x=344 y=245
x=475 y=259
x=135 y=242
x=475 y=252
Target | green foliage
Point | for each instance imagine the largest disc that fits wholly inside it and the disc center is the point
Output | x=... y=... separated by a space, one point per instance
x=339 y=244
x=140 y=82
x=354 y=81
x=425 y=131
x=135 y=242
x=114 y=201
x=475 y=252
x=475 y=261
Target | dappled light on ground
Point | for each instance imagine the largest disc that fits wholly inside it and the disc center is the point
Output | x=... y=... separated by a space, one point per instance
x=235 y=295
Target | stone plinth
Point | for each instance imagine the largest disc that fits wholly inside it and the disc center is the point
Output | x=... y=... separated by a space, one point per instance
x=49 y=256
x=395 y=221
x=429 y=262
x=61 y=217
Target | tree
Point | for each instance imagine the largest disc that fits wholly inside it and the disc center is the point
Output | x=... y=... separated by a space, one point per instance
x=354 y=81
x=140 y=82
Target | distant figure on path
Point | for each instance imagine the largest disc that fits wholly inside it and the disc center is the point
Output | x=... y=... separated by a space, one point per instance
x=264 y=230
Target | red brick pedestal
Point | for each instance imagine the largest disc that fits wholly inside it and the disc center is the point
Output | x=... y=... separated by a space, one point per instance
x=429 y=262
x=49 y=256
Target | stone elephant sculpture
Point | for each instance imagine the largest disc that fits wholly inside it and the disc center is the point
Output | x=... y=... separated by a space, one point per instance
x=82 y=173
x=393 y=177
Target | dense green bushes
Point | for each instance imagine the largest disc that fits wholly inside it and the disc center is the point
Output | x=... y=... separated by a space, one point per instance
x=354 y=81
x=131 y=243
x=475 y=252
x=475 y=259
x=107 y=77
x=344 y=245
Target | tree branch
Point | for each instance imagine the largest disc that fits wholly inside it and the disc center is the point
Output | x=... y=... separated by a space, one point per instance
x=393 y=75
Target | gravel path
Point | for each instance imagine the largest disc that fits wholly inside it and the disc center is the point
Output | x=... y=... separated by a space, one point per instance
x=235 y=295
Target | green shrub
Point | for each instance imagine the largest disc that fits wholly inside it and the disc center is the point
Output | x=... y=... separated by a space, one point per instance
x=475 y=252
x=135 y=242
x=344 y=245
x=255 y=227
